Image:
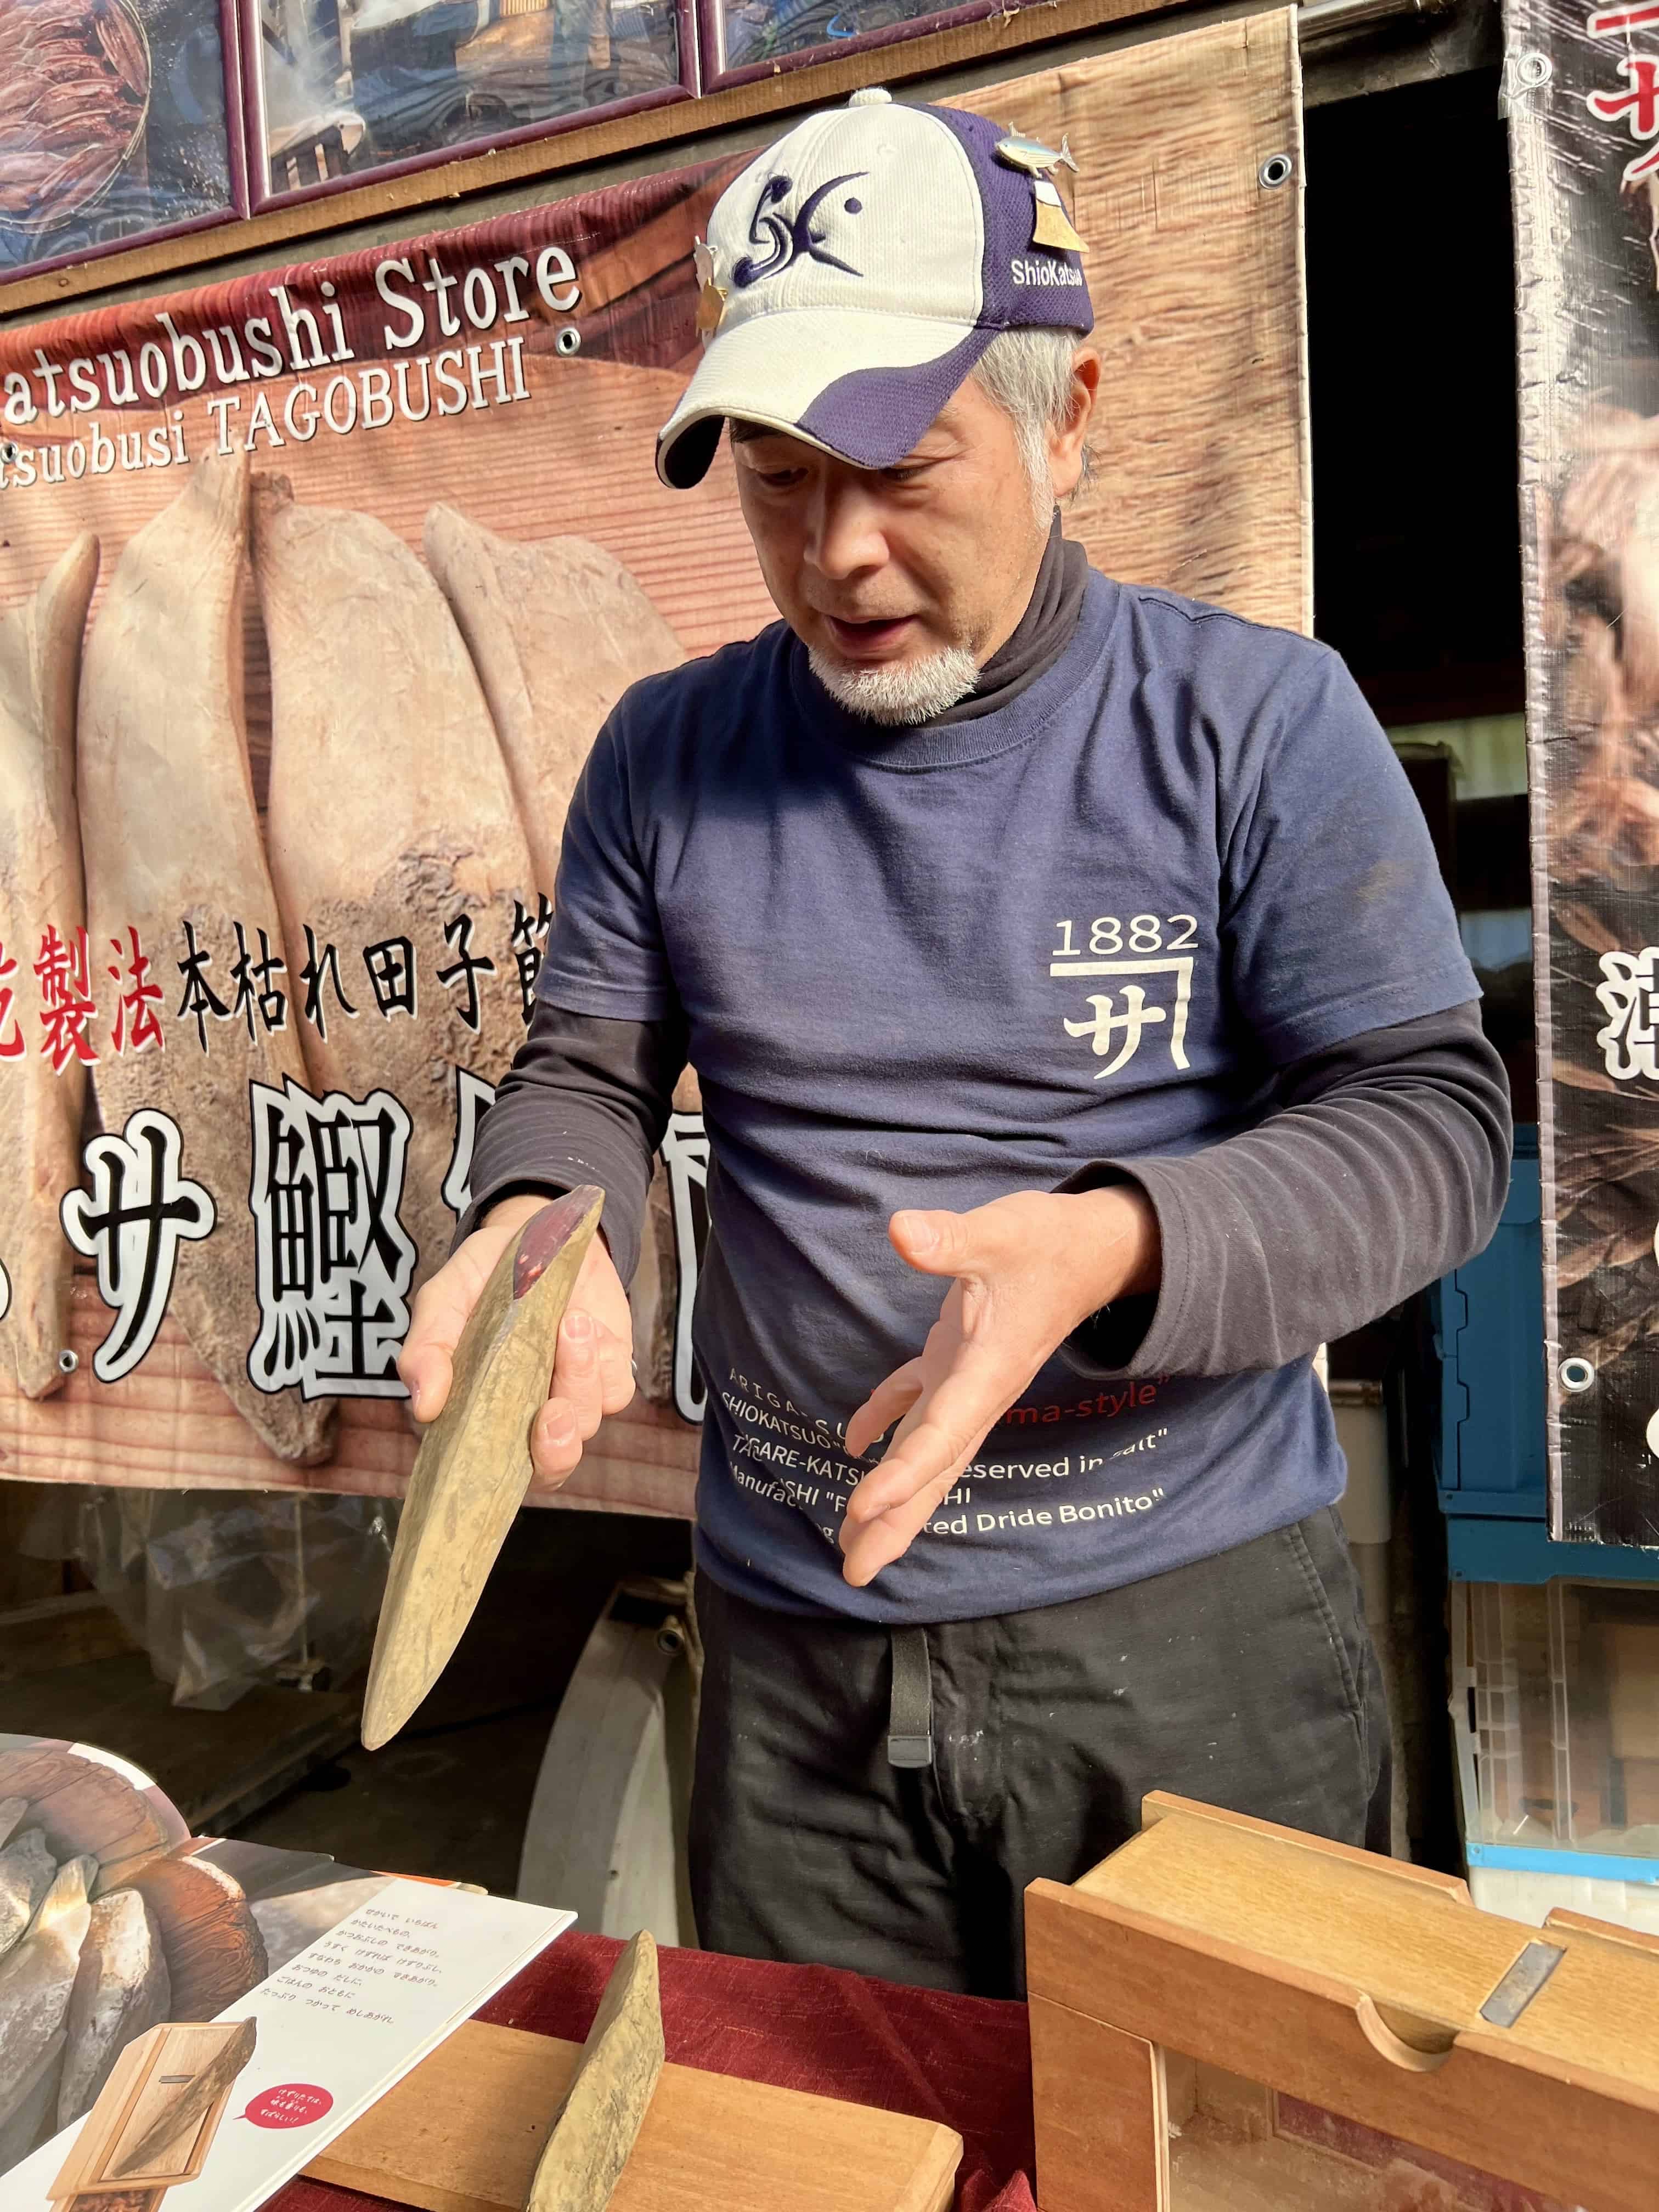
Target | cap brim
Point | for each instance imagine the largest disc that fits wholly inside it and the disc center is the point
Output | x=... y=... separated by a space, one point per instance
x=863 y=387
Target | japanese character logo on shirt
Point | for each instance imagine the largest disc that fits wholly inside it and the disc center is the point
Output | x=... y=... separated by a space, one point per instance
x=1145 y=967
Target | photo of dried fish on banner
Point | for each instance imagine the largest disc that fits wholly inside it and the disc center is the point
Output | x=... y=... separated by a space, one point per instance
x=117 y=124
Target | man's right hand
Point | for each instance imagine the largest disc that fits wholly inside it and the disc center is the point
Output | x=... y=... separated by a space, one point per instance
x=593 y=1366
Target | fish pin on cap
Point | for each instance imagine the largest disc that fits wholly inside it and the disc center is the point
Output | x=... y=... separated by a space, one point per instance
x=711 y=298
x=1053 y=227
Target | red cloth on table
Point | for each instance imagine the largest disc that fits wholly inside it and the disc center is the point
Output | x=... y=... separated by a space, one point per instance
x=965 y=2061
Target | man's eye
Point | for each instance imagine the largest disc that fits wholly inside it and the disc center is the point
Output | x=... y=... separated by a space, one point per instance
x=781 y=479
x=905 y=475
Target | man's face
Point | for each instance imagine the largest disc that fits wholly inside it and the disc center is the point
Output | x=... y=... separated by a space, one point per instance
x=884 y=569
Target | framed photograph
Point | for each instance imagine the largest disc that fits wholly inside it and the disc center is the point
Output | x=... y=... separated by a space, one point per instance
x=120 y=121
x=337 y=91
x=742 y=40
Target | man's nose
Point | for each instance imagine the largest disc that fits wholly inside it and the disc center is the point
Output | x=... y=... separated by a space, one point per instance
x=845 y=534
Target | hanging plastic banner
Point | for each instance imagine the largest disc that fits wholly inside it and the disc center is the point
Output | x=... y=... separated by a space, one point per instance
x=1582 y=89
x=315 y=589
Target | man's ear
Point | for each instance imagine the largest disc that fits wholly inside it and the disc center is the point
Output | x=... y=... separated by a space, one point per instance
x=1066 y=446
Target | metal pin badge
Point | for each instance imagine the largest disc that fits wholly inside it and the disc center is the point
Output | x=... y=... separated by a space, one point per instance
x=711 y=297
x=1052 y=226
x=1020 y=152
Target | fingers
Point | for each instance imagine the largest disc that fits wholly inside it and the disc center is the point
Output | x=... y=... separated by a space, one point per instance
x=867 y=1547
x=594 y=1365
x=578 y=1380
x=599 y=1294
x=592 y=1376
x=942 y=1429
x=427 y=1370
x=981 y=1241
x=1000 y=1321
x=896 y=1499
x=556 y=1443
x=442 y=1308
x=615 y=1370
x=932 y=1243
x=443 y=1305
x=888 y=1402
x=934 y=1452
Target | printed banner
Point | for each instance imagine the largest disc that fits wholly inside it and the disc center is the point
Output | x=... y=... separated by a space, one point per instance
x=1582 y=86
x=317 y=586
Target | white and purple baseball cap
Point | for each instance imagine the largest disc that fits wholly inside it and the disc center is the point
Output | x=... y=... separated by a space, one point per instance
x=855 y=273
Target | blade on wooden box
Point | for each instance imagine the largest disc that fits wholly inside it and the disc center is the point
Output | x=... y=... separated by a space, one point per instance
x=155 y=2120
x=473 y=1465
x=168 y=2118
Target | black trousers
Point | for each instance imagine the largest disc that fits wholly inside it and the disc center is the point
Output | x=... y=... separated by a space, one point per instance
x=1247 y=1680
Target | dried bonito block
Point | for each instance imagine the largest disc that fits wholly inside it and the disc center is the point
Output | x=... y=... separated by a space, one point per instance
x=171 y=839
x=122 y=1988
x=558 y=629
x=37 y=1977
x=26 y=2120
x=42 y=1070
x=609 y=2093
x=214 y=1952
x=27 y=1869
x=391 y=821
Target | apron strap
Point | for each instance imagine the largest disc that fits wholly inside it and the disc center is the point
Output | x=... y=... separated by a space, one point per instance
x=910 y=1711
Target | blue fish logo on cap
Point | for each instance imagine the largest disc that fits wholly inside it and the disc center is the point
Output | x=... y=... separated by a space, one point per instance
x=789 y=238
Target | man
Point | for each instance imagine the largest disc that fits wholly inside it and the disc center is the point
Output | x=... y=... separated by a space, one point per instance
x=1084 y=1035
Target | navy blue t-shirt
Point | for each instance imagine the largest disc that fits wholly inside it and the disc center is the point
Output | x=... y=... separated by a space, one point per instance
x=926 y=968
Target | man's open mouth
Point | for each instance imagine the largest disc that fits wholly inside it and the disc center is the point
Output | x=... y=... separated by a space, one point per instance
x=868 y=640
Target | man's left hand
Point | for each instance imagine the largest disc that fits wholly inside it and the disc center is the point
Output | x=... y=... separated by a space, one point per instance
x=1028 y=1269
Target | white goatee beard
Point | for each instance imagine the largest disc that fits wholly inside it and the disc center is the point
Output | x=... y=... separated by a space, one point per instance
x=904 y=693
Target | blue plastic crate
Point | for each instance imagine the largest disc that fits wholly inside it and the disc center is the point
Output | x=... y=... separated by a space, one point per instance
x=1488 y=1322
x=1491 y=1465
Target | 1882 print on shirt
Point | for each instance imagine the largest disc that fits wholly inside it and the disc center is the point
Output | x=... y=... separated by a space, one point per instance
x=926 y=968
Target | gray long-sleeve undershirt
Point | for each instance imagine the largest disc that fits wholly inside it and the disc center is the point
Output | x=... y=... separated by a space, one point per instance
x=1384 y=1163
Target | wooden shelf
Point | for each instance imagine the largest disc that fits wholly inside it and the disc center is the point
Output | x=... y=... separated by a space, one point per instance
x=585 y=147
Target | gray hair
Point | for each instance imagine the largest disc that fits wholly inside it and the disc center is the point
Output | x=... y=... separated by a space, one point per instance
x=1028 y=374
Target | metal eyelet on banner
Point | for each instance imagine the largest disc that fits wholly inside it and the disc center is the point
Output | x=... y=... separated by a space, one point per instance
x=568 y=341
x=1528 y=72
x=1278 y=169
x=68 y=1362
x=1576 y=1374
